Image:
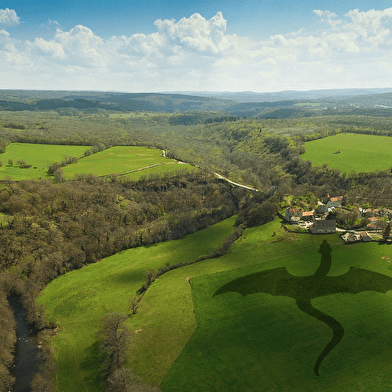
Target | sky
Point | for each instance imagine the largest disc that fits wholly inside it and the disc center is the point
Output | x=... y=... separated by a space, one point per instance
x=215 y=45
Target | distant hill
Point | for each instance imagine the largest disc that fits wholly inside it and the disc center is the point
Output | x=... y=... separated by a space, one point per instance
x=249 y=96
x=241 y=104
x=153 y=102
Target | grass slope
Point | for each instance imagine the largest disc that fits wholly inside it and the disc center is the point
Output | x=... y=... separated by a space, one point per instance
x=266 y=343
x=37 y=155
x=257 y=342
x=170 y=166
x=362 y=153
x=118 y=160
x=78 y=300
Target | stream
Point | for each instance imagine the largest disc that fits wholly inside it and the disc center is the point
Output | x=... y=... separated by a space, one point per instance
x=26 y=357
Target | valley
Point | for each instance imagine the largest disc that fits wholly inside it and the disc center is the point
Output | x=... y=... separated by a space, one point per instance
x=144 y=206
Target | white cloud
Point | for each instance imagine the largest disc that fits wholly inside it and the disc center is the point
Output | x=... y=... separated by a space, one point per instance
x=329 y=17
x=8 y=17
x=52 y=48
x=197 y=34
x=195 y=53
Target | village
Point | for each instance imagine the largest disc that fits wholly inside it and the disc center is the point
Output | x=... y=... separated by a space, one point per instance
x=332 y=214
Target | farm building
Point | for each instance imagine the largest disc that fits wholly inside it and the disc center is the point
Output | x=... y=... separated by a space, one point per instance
x=307 y=215
x=365 y=236
x=295 y=214
x=323 y=227
x=371 y=226
x=350 y=237
x=292 y=213
x=321 y=209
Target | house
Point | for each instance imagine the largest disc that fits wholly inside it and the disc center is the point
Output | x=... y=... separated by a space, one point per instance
x=336 y=201
x=323 y=227
x=370 y=226
x=365 y=236
x=307 y=215
x=292 y=213
x=321 y=209
x=350 y=237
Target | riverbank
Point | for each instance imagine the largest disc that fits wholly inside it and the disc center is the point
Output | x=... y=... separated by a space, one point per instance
x=26 y=356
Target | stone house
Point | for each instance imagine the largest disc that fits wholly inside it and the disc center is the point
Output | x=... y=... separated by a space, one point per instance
x=323 y=227
x=321 y=209
x=291 y=213
x=336 y=201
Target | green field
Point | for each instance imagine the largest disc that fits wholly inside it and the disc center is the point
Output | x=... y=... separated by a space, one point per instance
x=258 y=342
x=362 y=153
x=125 y=160
x=314 y=104
x=39 y=156
x=262 y=342
x=118 y=160
x=170 y=167
x=77 y=301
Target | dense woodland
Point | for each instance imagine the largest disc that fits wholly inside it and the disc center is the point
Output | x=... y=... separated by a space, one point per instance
x=52 y=227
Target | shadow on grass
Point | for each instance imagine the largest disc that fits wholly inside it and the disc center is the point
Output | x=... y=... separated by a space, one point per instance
x=279 y=282
x=92 y=364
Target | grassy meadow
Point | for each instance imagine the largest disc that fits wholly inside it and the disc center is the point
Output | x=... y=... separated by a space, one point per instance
x=262 y=342
x=78 y=300
x=362 y=153
x=258 y=342
x=169 y=167
x=133 y=162
x=39 y=156
x=120 y=160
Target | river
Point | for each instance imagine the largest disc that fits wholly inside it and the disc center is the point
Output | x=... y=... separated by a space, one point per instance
x=26 y=359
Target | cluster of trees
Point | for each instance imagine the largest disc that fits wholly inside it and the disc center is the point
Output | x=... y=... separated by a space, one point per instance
x=67 y=160
x=7 y=344
x=115 y=341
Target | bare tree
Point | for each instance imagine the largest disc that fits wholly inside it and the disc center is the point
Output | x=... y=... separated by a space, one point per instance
x=115 y=340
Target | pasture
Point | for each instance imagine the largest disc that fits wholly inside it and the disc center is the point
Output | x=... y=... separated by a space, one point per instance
x=169 y=167
x=362 y=153
x=235 y=343
x=264 y=342
x=39 y=156
x=119 y=160
x=78 y=300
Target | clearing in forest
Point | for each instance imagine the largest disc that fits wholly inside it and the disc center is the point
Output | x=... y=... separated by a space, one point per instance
x=350 y=151
x=39 y=156
x=132 y=161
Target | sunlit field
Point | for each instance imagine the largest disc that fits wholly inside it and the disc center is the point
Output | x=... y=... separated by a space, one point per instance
x=117 y=160
x=362 y=153
x=39 y=156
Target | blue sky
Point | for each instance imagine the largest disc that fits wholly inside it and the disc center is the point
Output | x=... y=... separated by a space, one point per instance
x=155 y=45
